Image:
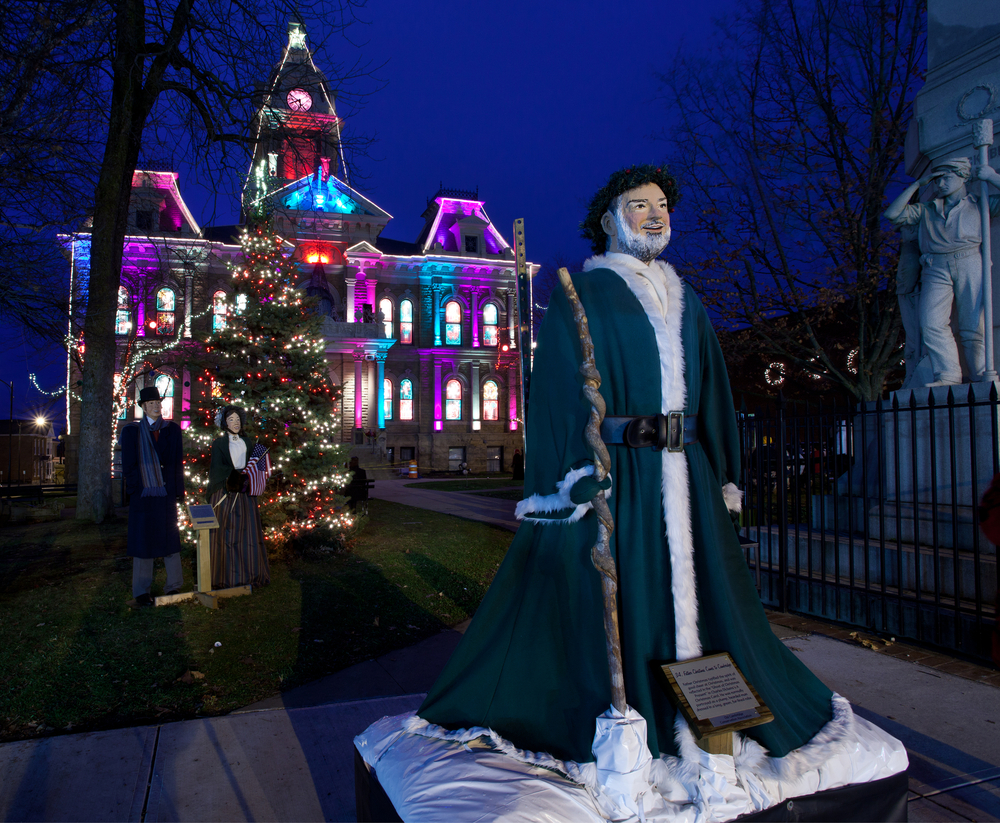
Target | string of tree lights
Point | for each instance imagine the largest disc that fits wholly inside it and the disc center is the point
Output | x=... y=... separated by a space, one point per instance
x=270 y=360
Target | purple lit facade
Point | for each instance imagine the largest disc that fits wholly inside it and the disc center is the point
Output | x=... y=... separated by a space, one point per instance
x=415 y=330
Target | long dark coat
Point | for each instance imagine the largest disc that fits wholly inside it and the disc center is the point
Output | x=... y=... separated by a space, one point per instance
x=533 y=664
x=152 y=521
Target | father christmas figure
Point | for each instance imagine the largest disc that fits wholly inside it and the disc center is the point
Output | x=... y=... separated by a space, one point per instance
x=152 y=462
x=533 y=664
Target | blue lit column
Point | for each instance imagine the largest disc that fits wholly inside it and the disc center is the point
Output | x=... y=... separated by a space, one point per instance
x=380 y=361
x=436 y=310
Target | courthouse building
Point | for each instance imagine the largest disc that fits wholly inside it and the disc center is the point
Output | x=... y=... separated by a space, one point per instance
x=422 y=336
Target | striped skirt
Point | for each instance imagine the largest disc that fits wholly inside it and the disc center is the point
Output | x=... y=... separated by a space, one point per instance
x=238 y=553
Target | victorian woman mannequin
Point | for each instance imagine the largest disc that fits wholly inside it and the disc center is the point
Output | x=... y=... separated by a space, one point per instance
x=239 y=556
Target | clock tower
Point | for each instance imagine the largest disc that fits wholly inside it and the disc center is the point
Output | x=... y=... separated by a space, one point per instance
x=297 y=128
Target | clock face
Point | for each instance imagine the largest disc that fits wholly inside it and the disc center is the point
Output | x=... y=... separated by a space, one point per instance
x=299 y=100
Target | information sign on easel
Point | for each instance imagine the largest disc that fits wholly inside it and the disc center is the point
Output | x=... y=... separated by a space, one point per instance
x=715 y=699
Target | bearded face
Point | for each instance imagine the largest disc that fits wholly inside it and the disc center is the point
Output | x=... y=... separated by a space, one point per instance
x=641 y=223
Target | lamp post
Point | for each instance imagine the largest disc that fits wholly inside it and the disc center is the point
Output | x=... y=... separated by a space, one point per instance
x=40 y=424
x=10 y=433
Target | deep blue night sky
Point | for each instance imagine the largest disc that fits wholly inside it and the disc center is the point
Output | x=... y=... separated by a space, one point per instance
x=533 y=102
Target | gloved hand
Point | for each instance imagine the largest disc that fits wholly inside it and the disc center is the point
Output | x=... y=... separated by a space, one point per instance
x=586 y=488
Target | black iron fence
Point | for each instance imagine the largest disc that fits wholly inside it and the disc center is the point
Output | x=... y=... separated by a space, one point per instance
x=867 y=514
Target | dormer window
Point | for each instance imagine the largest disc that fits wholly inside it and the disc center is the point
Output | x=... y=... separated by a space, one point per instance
x=471 y=245
x=144 y=219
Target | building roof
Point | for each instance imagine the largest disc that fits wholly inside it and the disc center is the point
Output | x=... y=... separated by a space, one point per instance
x=229 y=235
x=447 y=214
x=26 y=427
x=387 y=245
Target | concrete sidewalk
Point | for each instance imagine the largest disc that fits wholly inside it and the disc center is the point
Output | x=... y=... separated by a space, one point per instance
x=291 y=757
x=468 y=505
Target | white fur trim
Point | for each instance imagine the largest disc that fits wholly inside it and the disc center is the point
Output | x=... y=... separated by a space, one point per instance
x=825 y=744
x=544 y=503
x=414 y=724
x=666 y=323
x=733 y=497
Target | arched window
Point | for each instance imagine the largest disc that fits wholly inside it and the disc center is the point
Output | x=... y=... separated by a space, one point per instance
x=385 y=306
x=405 y=400
x=166 y=387
x=491 y=400
x=490 y=318
x=406 y=322
x=220 y=310
x=165 y=312
x=241 y=303
x=453 y=400
x=453 y=323
x=123 y=319
x=387 y=399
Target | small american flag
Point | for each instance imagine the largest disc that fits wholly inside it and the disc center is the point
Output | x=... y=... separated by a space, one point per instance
x=258 y=469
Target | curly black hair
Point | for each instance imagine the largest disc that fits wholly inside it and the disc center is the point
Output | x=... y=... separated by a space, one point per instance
x=227 y=411
x=620 y=182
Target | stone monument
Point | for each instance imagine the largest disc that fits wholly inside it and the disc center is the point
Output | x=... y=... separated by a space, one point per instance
x=935 y=462
x=962 y=91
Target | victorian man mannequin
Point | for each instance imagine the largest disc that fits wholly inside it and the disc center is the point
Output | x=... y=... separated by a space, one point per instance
x=532 y=665
x=152 y=462
x=949 y=233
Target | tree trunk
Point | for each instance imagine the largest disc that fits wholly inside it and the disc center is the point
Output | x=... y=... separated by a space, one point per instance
x=111 y=201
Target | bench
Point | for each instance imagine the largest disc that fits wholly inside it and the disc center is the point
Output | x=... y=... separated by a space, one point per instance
x=23 y=492
x=362 y=497
x=363 y=502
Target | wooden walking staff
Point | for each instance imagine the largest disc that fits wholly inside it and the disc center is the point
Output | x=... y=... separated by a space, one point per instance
x=601 y=553
x=982 y=139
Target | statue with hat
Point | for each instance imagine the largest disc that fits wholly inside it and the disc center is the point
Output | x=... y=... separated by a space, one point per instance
x=152 y=462
x=949 y=236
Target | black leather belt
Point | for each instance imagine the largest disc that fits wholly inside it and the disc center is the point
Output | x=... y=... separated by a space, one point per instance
x=672 y=431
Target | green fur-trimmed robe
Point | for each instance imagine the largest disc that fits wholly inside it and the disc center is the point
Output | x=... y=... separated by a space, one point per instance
x=533 y=663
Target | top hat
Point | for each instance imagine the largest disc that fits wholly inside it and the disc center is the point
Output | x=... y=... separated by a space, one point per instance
x=147 y=394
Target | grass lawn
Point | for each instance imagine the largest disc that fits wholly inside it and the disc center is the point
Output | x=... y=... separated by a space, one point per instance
x=74 y=657
x=468 y=484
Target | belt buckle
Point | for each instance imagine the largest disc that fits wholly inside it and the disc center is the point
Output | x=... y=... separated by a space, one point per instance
x=675 y=431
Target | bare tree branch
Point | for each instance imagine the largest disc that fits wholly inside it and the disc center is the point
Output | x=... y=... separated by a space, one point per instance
x=788 y=137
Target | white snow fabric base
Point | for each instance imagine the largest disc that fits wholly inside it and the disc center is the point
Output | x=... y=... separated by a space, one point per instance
x=432 y=774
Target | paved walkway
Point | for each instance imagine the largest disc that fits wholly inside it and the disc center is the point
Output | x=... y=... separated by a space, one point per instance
x=291 y=757
x=470 y=505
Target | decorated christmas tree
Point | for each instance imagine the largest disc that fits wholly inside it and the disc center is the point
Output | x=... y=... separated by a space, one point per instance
x=269 y=359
